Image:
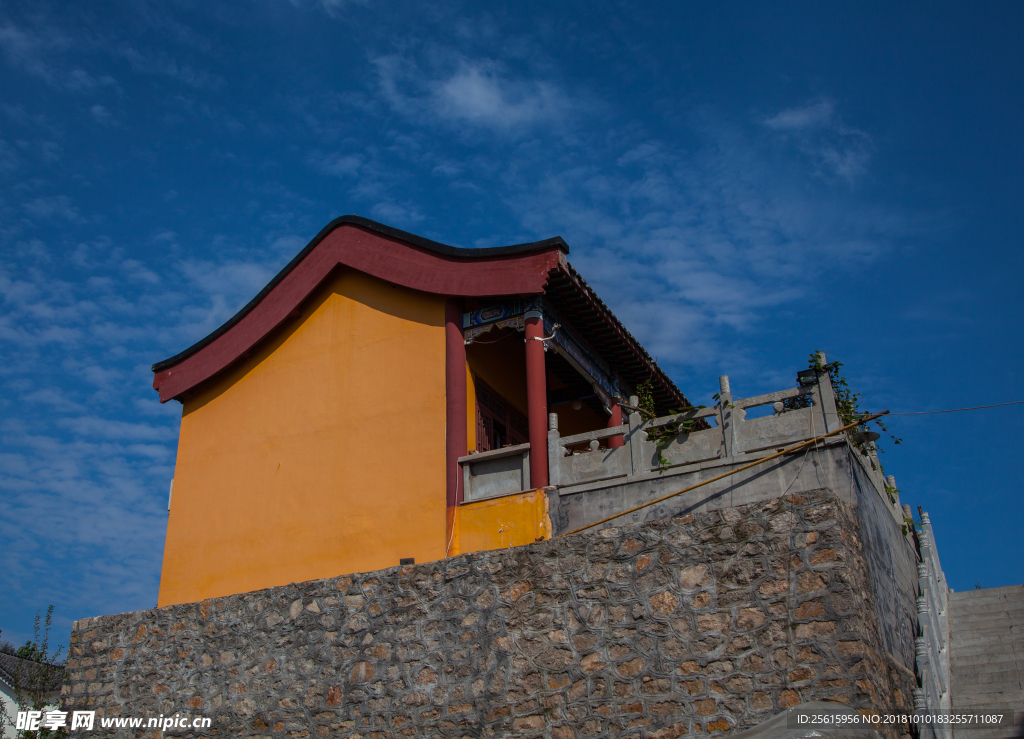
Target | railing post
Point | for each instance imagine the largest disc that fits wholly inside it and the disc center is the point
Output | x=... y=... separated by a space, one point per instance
x=555 y=451
x=725 y=416
x=828 y=398
x=636 y=438
x=467 y=486
x=890 y=482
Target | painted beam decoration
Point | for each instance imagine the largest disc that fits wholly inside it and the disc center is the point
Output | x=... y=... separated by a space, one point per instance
x=567 y=342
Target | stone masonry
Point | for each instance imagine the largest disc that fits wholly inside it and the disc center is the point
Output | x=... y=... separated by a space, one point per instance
x=696 y=625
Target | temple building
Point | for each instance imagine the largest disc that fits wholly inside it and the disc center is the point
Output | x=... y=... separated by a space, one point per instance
x=333 y=425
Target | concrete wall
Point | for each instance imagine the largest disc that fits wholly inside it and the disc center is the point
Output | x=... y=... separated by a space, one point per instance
x=699 y=624
x=892 y=565
x=323 y=453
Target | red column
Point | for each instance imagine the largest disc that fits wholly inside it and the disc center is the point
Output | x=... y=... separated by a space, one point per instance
x=615 y=420
x=536 y=400
x=455 y=399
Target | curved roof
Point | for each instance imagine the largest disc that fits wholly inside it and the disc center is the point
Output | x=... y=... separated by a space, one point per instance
x=365 y=223
x=411 y=261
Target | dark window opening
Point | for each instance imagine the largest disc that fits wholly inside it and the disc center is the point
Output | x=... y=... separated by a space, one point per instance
x=498 y=422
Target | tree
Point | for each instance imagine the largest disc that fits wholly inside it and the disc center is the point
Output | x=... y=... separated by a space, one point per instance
x=36 y=674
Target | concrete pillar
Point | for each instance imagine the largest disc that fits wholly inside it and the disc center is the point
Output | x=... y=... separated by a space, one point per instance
x=615 y=420
x=455 y=400
x=725 y=416
x=554 y=451
x=828 y=399
x=637 y=436
x=536 y=399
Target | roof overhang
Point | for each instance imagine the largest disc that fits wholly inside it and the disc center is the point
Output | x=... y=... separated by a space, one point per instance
x=404 y=259
x=395 y=256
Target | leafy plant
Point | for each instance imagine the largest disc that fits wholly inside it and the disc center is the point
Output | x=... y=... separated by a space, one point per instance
x=662 y=436
x=909 y=524
x=36 y=679
x=847 y=401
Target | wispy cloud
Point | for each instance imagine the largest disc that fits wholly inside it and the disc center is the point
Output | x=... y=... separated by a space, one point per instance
x=338 y=165
x=102 y=116
x=479 y=93
x=93 y=427
x=27 y=50
x=809 y=116
x=333 y=8
x=57 y=206
x=692 y=246
x=225 y=287
x=39 y=49
x=163 y=64
x=816 y=128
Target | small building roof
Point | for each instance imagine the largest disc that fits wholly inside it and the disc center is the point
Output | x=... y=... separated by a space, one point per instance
x=15 y=671
x=539 y=267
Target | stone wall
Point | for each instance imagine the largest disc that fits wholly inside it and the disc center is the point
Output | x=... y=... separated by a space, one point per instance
x=695 y=625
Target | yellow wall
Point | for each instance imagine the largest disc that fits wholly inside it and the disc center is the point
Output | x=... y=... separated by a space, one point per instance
x=510 y=521
x=323 y=454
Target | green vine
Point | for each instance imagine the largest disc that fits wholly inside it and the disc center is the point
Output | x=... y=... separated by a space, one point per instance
x=847 y=401
x=663 y=436
x=847 y=408
x=909 y=525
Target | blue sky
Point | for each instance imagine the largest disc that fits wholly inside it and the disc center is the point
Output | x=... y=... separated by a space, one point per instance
x=743 y=183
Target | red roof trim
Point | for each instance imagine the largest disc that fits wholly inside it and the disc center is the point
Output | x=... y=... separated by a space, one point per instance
x=377 y=251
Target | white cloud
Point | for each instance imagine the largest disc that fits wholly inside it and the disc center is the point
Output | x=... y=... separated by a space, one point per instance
x=333 y=8
x=397 y=214
x=8 y=157
x=690 y=248
x=25 y=49
x=339 y=165
x=55 y=398
x=810 y=115
x=834 y=148
x=162 y=64
x=102 y=116
x=477 y=93
x=93 y=427
x=58 y=206
x=139 y=272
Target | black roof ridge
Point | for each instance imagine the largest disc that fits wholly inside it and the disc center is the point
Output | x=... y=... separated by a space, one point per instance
x=434 y=246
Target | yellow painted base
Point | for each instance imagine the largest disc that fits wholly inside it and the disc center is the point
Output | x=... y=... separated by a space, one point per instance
x=510 y=521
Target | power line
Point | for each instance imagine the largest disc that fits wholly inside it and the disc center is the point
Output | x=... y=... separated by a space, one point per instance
x=955 y=410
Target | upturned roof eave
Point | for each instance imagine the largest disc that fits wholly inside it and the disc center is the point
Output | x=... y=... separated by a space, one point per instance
x=452 y=252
